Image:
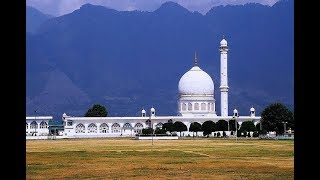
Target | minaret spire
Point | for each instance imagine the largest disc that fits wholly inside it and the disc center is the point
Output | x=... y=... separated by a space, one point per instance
x=195 y=58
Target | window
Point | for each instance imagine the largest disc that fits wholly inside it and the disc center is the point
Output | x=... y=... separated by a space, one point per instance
x=148 y=123
x=80 y=128
x=43 y=125
x=69 y=123
x=138 y=128
x=203 y=106
x=104 y=128
x=189 y=107
x=184 y=107
x=33 y=125
x=92 y=128
x=115 y=128
x=196 y=106
x=27 y=126
x=159 y=125
x=127 y=126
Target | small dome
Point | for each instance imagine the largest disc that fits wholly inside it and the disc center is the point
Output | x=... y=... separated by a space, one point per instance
x=196 y=81
x=143 y=111
x=235 y=111
x=252 y=109
x=152 y=109
x=223 y=42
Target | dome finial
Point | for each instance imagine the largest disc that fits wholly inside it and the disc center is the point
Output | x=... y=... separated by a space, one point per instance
x=223 y=36
x=195 y=58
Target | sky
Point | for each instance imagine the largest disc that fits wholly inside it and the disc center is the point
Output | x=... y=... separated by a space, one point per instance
x=61 y=7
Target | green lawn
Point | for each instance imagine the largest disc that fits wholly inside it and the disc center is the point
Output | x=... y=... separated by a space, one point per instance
x=167 y=159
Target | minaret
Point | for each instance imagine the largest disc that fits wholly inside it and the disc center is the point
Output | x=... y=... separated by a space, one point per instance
x=224 y=77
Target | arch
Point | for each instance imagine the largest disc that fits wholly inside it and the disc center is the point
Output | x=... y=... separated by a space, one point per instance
x=196 y=106
x=115 y=128
x=184 y=107
x=27 y=125
x=203 y=106
x=104 y=128
x=138 y=128
x=33 y=125
x=148 y=123
x=92 y=128
x=189 y=107
x=159 y=125
x=43 y=125
x=127 y=126
x=80 y=128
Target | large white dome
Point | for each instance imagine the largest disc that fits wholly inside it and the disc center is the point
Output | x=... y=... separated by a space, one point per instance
x=196 y=82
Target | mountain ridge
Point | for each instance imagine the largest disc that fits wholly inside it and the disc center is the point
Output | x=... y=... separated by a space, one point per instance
x=129 y=60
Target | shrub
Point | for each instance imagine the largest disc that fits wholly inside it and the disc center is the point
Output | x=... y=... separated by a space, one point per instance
x=262 y=132
x=147 y=131
x=159 y=131
x=255 y=134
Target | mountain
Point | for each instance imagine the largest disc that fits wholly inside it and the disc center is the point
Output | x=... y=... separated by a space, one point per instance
x=34 y=18
x=129 y=60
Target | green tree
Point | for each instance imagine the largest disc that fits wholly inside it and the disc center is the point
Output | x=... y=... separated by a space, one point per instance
x=274 y=115
x=222 y=125
x=96 y=110
x=168 y=126
x=195 y=127
x=208 y=127
x=179 y=126
x=248 y=126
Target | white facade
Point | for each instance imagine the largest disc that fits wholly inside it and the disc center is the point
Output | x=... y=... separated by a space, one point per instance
x=196 y=104
x=37 y=125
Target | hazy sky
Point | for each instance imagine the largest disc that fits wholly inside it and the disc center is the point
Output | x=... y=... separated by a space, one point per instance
x=60 y=7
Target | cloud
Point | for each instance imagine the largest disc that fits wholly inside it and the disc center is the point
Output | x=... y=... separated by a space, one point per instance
x=61 y=7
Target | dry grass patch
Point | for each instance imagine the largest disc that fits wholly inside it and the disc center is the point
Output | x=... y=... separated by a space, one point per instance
x=166 y=159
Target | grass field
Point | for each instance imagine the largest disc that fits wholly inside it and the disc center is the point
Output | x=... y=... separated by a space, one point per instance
x=166 y=159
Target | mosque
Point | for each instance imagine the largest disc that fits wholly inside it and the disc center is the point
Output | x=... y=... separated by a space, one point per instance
x=196 y=104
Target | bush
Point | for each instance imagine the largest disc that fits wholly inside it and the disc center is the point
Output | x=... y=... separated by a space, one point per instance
x=147 y=131
x=255 y=134
x=262 y=132
x=238 y=133
x=159 y=131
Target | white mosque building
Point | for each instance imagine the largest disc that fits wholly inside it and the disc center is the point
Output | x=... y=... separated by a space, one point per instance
x=196 y=104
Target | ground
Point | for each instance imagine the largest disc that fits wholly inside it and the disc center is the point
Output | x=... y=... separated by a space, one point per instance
x=125 y=158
